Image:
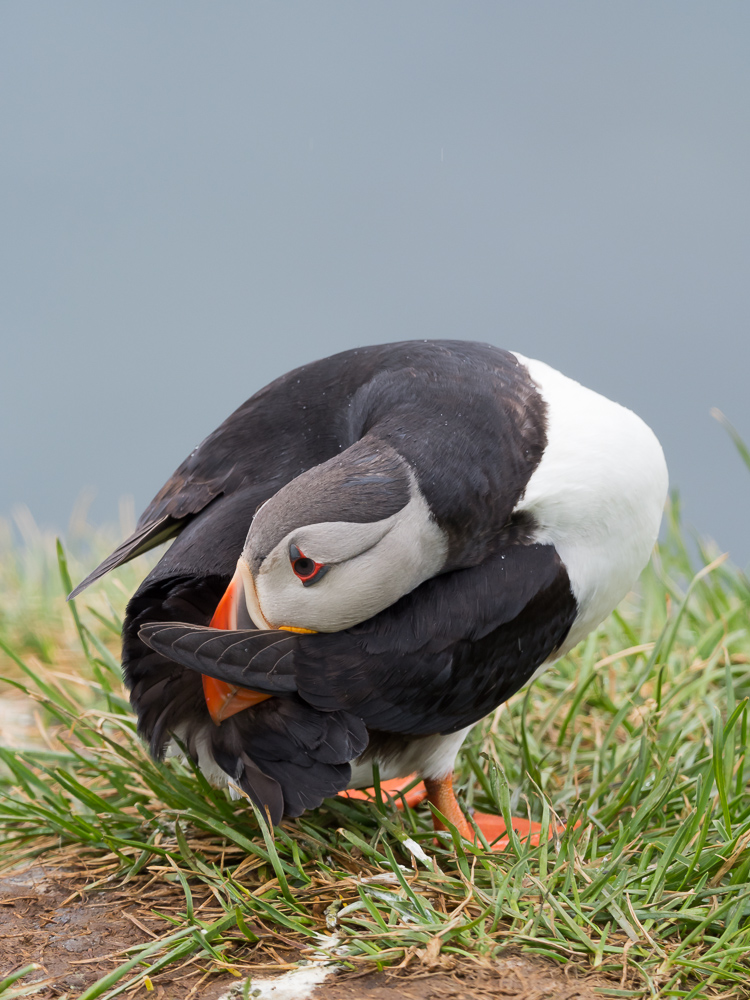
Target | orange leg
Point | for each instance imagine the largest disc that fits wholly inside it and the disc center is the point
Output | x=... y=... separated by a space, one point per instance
x=440 y=792
x=493 y=827
x=391 y=789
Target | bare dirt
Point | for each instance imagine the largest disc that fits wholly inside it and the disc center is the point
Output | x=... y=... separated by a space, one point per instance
x=77 y=938
x=512 y=978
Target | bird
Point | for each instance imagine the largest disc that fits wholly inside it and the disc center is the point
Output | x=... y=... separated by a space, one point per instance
x=370 y=555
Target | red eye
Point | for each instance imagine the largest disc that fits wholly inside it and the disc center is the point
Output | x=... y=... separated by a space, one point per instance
x=307 y=570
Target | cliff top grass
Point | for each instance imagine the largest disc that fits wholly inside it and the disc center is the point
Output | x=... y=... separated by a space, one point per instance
x=631 y=751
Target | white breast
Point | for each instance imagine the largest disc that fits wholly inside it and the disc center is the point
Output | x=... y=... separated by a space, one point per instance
x=597 y=494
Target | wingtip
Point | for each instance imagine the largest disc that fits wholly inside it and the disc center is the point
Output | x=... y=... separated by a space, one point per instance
x=96 y=574
x=79 y=589
x=225 y=654
x=104 y=567
x=139 y=542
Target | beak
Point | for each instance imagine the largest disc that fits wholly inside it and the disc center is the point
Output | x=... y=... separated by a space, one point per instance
x=222 y=699
x=239 y=608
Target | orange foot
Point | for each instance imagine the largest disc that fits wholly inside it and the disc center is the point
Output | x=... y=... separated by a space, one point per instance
x=440 y=793
x=392 y=791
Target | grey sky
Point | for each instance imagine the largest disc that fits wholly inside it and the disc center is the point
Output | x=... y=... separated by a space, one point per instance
x=196 y=197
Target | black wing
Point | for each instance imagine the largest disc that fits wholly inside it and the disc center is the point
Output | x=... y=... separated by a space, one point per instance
x=313 y=413
x=209 y=503
x=438 y=660
x=256 y=659
x=295 y=423
x=285 y=754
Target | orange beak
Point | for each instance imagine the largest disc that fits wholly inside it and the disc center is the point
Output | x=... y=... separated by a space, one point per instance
x=222 y=699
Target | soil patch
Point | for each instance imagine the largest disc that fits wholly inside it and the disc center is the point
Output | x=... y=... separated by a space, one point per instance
x=514 y=977
x=75 y=939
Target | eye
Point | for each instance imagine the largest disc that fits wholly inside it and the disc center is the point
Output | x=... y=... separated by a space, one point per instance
x=305 y=569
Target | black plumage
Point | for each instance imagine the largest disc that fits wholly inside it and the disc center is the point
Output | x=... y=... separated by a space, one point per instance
x=420 y=666
x=467 y=421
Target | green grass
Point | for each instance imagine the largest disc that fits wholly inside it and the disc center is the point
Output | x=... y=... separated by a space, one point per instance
x=636 y=743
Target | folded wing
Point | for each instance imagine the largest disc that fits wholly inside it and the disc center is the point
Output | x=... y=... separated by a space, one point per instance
x=436 y=661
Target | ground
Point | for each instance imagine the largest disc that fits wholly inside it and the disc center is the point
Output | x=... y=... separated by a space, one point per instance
x=120 y=876
x=75 y=942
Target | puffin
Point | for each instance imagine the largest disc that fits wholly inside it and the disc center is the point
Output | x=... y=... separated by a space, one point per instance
x=369 y=556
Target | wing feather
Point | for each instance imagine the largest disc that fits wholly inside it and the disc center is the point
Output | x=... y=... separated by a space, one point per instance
x=436 y=661
x=144 y=538
x=249 y=658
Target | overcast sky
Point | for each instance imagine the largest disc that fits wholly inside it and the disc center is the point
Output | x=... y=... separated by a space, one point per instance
x=197 y=197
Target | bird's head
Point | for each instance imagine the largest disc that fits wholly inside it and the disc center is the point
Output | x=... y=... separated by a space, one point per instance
x=335 y=546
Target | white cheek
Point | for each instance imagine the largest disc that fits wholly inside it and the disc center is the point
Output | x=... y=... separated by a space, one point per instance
x=371 y=566
x=279 y=593
x=330 y=605
x=355 y=590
